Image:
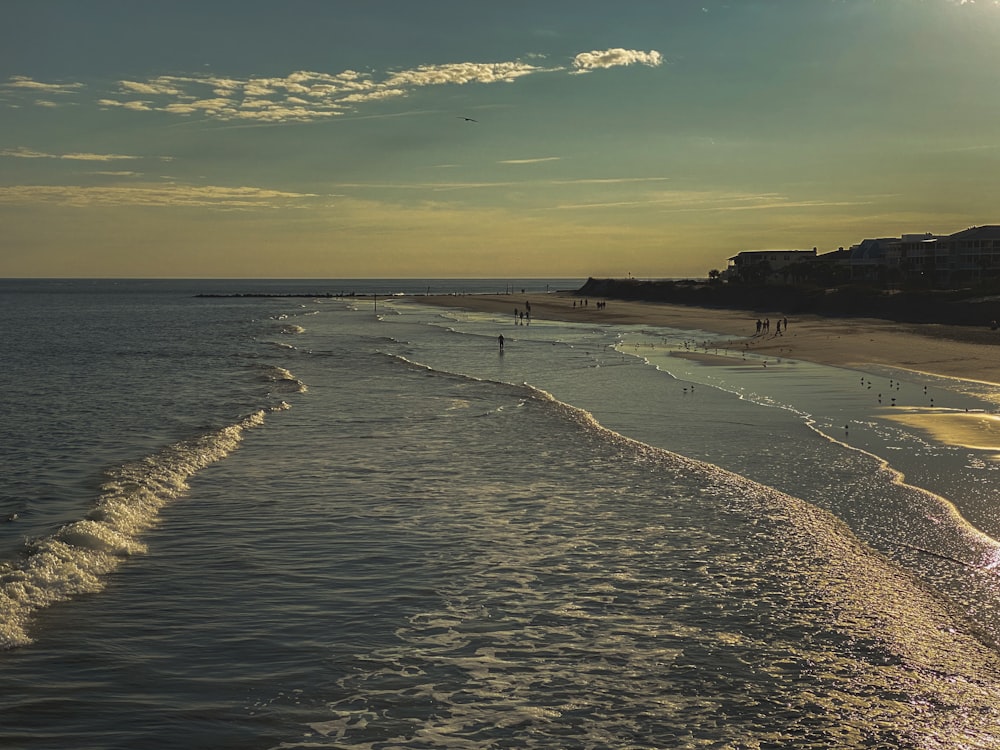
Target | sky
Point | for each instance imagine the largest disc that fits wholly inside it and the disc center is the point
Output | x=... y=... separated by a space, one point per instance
x=464 y=138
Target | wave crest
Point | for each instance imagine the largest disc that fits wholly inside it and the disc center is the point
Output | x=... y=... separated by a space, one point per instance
x=76 y=559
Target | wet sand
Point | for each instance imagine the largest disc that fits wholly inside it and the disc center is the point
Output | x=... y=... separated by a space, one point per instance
x=952 y=351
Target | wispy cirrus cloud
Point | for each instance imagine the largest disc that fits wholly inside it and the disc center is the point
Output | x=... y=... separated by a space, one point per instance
x=699 y=200
x=207 y=196
x=538 y=160
x=608 y=180
x=499 y=184
x=27 y=153
x=314 y=95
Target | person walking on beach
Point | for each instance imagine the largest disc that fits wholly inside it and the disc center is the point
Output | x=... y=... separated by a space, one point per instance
x=500 y=339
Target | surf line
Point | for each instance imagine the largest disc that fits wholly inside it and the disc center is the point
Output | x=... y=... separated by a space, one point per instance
x=76 y=559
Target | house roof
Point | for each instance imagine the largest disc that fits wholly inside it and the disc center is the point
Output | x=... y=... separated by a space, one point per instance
x=757 y=253
x=988 y=232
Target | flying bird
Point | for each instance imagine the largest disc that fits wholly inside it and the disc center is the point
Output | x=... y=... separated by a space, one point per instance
x=467 y=119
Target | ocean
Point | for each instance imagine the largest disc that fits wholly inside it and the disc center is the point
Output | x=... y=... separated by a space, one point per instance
x=246 y=514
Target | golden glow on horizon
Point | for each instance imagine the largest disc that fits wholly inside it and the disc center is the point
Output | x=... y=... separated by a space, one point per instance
x=709 y=131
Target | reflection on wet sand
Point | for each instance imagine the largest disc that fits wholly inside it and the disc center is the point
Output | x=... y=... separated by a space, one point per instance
x=973 y=430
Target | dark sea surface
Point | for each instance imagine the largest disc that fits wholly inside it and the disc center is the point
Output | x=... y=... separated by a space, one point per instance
x=299 y=522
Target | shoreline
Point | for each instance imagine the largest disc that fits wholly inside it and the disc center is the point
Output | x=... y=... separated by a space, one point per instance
x=951 y=351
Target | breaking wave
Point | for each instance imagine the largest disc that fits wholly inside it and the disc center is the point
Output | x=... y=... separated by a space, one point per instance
x=78 y=557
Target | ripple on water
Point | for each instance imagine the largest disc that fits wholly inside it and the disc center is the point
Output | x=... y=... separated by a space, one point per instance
x=698 y=608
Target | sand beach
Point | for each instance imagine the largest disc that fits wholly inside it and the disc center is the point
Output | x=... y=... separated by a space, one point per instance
x=952 y=351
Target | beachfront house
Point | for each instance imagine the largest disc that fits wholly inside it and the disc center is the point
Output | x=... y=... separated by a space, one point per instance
x=930 y=260
x=867 y=261
x=920 y=259
x=927 y=260
x=764 y=265
x=974 y=254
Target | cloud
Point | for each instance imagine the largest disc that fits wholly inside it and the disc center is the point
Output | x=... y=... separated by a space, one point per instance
x=701 y=201
x=444 y=186
x=609 y=180
x=530 y=161
x=152 y=196
x=97 y=157
x=24 y=82
x=304 y=95
x=461 y=73
x=785 y=203
x=135 y=105
x=26 y=153
x=155 y=87
x=586 y=62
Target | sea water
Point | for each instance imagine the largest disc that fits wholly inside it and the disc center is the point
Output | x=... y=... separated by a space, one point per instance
x=318 y=521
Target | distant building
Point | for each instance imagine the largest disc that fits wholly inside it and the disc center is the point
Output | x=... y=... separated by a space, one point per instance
x=764 y=265
x=868 y=260
x=974 y=254
x=840 y=257
x=920 y=257
x=934 y=260
x=925 y=259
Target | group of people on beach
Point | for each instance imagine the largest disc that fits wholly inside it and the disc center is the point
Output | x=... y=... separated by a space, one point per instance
x=764 y=326
x=522 y=317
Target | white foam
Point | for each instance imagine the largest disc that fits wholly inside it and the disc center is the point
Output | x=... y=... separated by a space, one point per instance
x=77 y=558
x=284 y=379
